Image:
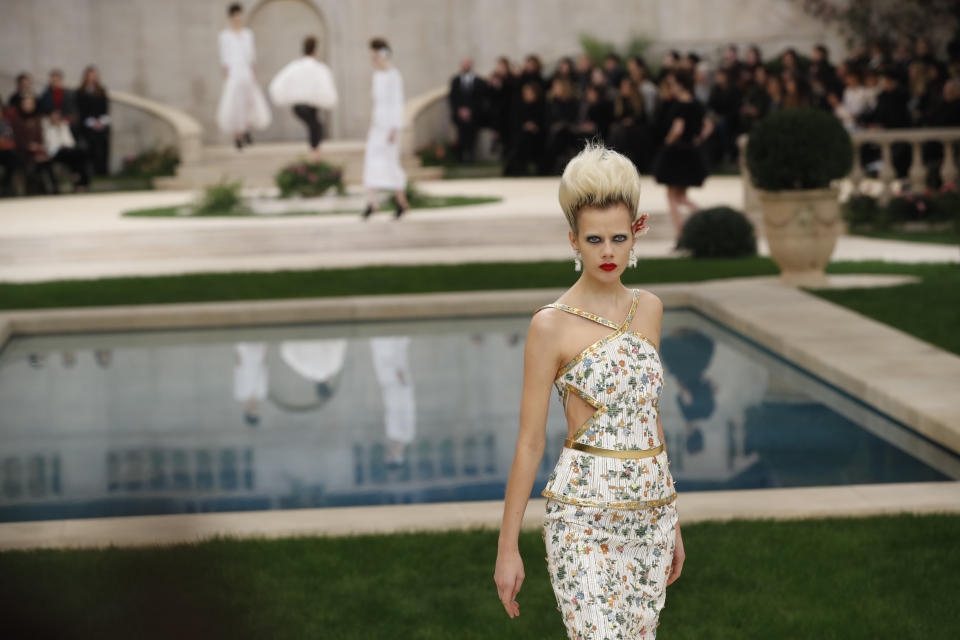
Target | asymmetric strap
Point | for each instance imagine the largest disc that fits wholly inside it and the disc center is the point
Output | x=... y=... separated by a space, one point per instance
x=592 y=316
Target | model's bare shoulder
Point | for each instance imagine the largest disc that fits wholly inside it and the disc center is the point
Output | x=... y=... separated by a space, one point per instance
x=649 y=301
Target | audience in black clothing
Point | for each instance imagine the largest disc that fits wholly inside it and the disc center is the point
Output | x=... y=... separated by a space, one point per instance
x=24 y=88
x=57 y=97
x=9 y=160
x=529 y=133
x=28 y=136
x=93 y=115
x=466 y=98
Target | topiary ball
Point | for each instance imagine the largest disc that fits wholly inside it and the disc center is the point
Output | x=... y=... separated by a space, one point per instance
x=719 y=232
x=798 y=149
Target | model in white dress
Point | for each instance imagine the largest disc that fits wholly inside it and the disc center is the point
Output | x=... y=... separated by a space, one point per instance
x=381 y=162
x=242 y=105
x=306 y=84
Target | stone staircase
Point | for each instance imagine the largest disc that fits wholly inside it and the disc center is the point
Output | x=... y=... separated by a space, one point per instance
x=257 y=164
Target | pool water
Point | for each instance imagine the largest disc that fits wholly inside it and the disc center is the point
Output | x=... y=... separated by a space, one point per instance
x=136 y=423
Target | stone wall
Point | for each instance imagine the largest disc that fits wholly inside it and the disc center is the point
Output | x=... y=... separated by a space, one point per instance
x=167 y=51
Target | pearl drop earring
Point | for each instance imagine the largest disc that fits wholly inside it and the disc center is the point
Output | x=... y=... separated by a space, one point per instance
x=577 y=262
x=633 y=257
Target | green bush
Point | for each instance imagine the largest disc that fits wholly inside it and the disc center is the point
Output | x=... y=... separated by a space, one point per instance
x=864 y=211
x=309 y=179
x=599 y=49
x=719 y=232
x=151 y=163
x=798 y=149
x=223 y=198
x=911 y=208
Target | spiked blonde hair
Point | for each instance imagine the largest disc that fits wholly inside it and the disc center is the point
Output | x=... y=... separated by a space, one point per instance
x=598 y=177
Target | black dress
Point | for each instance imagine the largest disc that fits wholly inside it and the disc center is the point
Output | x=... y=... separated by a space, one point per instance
x=681 y=163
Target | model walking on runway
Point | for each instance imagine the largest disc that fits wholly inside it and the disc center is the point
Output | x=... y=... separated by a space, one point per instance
x=381 y=161
x=611 y=533
x=242 y=106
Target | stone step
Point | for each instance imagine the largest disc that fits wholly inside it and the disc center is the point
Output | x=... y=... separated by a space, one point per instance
x=256 y=165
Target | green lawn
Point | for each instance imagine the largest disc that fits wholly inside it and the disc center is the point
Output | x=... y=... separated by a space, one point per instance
x=883 y=577
x=419 y=202
x=934 y=237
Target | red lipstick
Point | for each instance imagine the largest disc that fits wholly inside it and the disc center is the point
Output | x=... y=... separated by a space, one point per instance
x=608 y=266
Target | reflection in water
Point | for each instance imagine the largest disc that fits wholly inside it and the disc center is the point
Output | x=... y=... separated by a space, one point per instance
x=392 y=368
x=250 y=379
x=147 y=423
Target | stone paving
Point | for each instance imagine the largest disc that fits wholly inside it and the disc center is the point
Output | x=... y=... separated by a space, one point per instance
x=86 y=236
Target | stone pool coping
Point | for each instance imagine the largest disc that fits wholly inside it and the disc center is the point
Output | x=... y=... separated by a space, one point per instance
x=910 y=380
x=750 y=504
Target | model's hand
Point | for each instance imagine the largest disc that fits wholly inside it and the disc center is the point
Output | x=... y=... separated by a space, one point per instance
x=679 y=555
x=509 y=577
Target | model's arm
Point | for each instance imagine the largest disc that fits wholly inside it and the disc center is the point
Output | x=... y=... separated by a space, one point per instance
x=540 y=364
x=676 y=130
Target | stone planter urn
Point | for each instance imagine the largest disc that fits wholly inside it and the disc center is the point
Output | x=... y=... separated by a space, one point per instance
x=793 y=158
x=801 y=227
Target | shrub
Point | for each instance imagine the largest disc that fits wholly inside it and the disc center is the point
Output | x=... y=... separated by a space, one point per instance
x=309 y=179
x=720 y=232
x=151 y=163
x=223 y=198
x=911 y=208
x=798 y=149
x=864 y=211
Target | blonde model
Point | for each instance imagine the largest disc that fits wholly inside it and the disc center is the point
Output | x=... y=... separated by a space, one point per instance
x=611 y=533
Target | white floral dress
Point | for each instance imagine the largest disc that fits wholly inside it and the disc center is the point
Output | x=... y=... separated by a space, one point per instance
x=611 y=514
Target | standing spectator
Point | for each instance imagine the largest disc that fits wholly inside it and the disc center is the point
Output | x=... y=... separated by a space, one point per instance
x=730 y=63
x=640 y=75
x=821 y=70
x=701 y=82
x=533 y=72
x=528 y=137
x=596 y=113
x=564 y=71
x=466 y=98
x=501 y=88
x=24 y=87
x=857 y=100
x=59 y=144
x=669 y=63
x=562 y=112
x=93 y=113
x=28 y=135
x=9 y=160
x=582 y=72
x=724 y=107
x=56 y=97
x=613 y=69
x=756 y=100
x=753 y=58
x=795 y=91
x=629 y=133
x=892 y=112
x=947 y=113
x=681 y=164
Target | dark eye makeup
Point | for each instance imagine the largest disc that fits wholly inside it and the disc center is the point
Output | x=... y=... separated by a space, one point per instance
x=620 y=237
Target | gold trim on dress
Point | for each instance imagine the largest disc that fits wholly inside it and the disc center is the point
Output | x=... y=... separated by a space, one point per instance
x=614 y=453
x=602 y=341
x=583 y=502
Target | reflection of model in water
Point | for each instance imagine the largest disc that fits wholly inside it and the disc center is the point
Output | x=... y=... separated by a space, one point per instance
x=319 y=361
x=687 y=354
x=392 y=367
x=250 y=379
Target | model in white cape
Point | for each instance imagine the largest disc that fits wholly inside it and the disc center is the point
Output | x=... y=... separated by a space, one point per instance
x=306 y=84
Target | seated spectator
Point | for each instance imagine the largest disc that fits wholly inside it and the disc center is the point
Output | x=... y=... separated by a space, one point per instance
x=947 y=113
x=529 y=133
x=795 y=92
x=775 y=92
x=93 y=113
x=582 y=73
x=28 y=135
x=24 y=88
x=856 y=102
x=533 y=73
x=60 y=147
x=9 y=160
x=56 y=97
x=753 y=59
